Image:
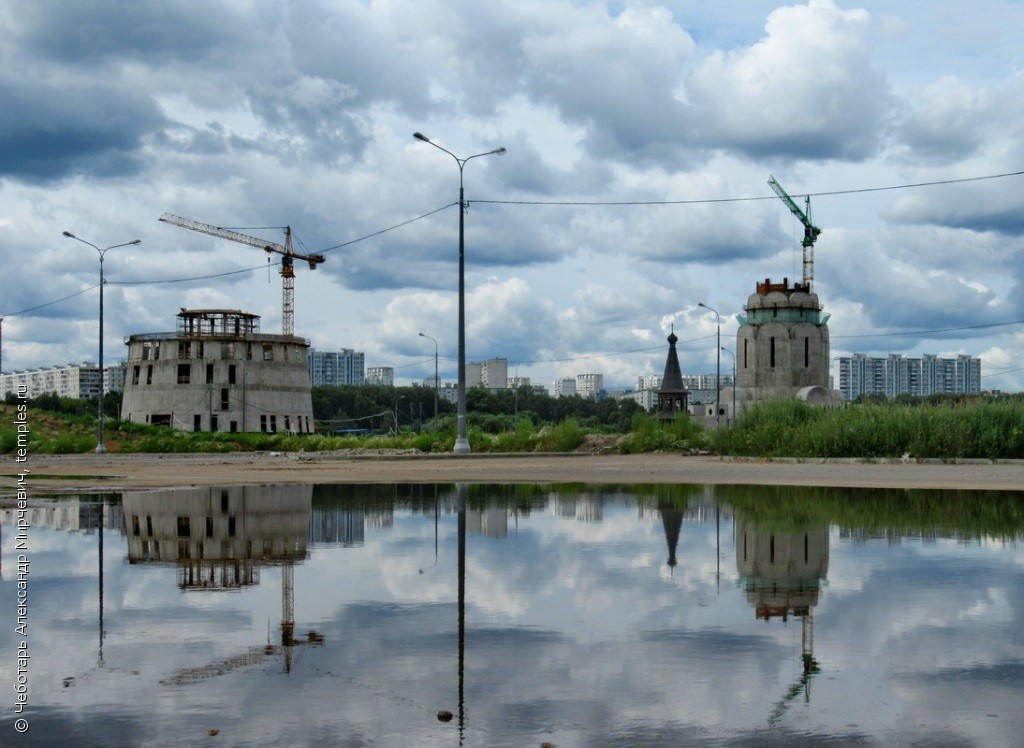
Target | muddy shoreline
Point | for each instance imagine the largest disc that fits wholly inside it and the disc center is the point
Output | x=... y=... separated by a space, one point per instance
x=116 y=471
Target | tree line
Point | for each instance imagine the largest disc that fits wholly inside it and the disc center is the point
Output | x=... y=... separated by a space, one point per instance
x=378 y=407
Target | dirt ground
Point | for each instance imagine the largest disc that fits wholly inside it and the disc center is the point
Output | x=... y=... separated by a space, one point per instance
x=113 y=471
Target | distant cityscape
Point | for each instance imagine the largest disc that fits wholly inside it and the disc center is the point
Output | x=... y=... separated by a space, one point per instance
x=859 y=375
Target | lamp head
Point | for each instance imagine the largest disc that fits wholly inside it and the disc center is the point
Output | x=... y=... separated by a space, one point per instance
x=421 y=136
x=69 y=234
x=499 y=151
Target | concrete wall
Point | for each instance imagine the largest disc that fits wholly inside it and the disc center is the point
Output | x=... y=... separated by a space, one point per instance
x=256 y=383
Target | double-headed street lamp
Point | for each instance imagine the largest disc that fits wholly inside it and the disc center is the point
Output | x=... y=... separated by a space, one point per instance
x=461 y=442
x=718 y=362
x=100 y=446
x=435 y=371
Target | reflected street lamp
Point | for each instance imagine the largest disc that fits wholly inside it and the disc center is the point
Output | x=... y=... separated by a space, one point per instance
x=436 y=384
x=718 y=363
x=100 y=446
x=733 y=380
x=461 y=442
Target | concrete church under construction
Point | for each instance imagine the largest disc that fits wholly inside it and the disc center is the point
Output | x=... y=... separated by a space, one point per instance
x=782 y=348
x=218 y=372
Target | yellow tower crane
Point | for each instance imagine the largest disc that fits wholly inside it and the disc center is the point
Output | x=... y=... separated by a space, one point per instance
x=288 y=255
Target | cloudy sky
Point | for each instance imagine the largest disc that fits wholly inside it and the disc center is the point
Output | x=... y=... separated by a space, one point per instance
x=640 y=137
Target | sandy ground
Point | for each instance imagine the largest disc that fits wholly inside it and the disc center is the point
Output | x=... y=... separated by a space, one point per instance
x=112 y=471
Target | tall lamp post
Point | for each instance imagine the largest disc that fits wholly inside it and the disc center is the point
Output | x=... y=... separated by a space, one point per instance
x=718 y=362
x=733 y=380
x=100 y=446
x=461 y=442
x=435 y=371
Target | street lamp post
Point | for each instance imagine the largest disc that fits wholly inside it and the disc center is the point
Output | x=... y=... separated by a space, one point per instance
x=461 y=442
x=718 y=363
x=100 y=446
x=733 y=380
x=435 y=371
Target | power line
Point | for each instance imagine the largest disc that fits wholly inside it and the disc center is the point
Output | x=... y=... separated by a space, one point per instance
x=709 y=201
x=929 y=332
x=50 y=303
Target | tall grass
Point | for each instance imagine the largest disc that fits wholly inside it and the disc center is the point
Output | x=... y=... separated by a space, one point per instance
x=649 y=434
x=789 y=428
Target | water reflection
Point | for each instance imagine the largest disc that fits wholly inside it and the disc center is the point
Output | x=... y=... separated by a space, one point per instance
x=782 y=575
x=576 y=615
x=218 y=539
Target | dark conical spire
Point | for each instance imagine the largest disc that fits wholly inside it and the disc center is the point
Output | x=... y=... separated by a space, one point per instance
x=673 y=379
x=672 y=520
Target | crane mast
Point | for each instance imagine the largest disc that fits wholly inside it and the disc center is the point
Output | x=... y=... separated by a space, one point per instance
x=810 y=230
x=288 y=256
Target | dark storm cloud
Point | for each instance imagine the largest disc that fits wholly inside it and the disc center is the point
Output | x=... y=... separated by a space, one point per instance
x=53 y=131
x=90 y=32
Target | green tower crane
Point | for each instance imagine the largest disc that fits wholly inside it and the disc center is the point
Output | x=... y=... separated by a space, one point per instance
x=810 y=230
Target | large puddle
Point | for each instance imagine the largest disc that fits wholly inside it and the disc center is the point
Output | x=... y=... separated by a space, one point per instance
x=482 y=615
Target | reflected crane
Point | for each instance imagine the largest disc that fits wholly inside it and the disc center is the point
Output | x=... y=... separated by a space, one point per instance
x=810 y=667
x=257 y=654
x=811 y=231
x=288 y=256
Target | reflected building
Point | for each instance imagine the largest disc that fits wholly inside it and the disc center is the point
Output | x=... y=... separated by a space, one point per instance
x=218 y=537
x=782 y=574
x=491 y=521
x=585 y=507
x=340 y=525
x=68 y=515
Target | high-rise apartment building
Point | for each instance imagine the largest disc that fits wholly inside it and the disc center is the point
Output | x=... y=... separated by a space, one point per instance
x=341 y=367
x=895 y=375
x=79 y=381
x=384 y=375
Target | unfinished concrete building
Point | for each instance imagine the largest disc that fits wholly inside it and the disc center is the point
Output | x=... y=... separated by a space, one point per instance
x=218 y=372
x=782 y=348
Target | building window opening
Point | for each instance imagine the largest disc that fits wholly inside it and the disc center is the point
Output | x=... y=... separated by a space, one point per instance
x=184 y=529
x=773 y=353
x=149 y=374
x=184 y=373
x=197 y=422
x=231 y=373
x=268 y=352
x=807 y=352
x=135 y=374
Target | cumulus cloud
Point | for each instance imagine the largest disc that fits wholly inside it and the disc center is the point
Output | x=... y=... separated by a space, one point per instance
x=809 y=89
x=632 y=131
